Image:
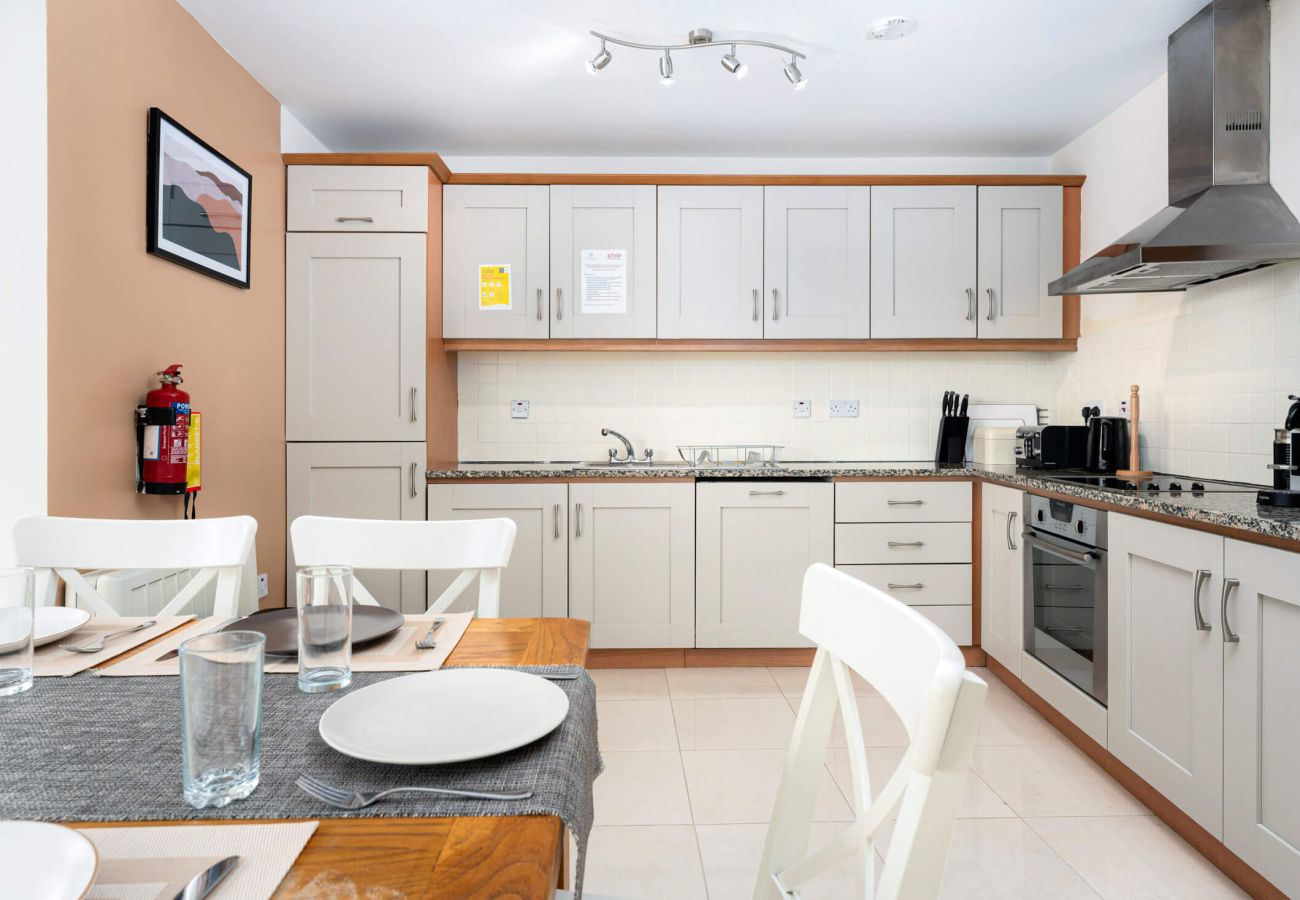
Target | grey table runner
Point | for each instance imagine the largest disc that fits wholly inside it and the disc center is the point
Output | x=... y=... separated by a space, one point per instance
x=86 y=749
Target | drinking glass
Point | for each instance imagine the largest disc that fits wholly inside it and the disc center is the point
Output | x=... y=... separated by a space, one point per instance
x=324 y=628
x=17 y=624
x=221 y=716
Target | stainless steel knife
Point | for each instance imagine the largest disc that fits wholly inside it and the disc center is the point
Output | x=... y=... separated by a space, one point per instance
x=206 y=881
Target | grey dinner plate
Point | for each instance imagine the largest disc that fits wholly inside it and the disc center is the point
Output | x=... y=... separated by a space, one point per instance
x=369 y=623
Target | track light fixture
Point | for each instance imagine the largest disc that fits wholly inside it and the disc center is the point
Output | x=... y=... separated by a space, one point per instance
x=700 y=37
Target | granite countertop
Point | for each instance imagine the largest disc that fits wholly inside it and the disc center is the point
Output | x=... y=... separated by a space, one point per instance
x=1237 y=511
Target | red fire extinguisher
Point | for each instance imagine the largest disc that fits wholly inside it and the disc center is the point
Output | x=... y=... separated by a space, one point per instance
x=162 y=436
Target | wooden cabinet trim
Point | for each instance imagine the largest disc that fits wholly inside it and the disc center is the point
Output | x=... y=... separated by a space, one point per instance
x=768 y=345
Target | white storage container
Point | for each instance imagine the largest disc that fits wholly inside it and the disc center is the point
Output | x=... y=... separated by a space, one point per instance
x=995 y=447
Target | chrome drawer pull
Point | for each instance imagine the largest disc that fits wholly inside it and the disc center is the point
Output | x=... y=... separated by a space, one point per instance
x=559 y=304
x=775 y=305
x=989 y=317
x=414 y=492
x=767 y=493
x=905 y=503
x=1229 y=585
x=1198 y=581
x=906 y=587
x=907 y=543
x=577 y=520
x=1064 y=587
x=354 y=218
x=556 y=527
x=414 y=394
x=755 y=304
x=970 y=305
x=539 y=304
x=1011 y=521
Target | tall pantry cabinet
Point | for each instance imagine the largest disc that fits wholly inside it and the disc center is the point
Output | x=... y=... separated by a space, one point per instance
x=356 y=268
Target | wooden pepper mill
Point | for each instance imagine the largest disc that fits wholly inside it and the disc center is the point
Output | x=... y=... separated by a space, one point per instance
x=1133 y=471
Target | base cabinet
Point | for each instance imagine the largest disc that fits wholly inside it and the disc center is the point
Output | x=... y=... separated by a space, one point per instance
x=362 y=481
x=536 y=582
x=632 y=563
x=1002 y=577
x=1166 y=700
x=754 y=542
x=1261 y=674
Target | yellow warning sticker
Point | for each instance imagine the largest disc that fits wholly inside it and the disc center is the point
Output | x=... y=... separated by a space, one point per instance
x=494 y=287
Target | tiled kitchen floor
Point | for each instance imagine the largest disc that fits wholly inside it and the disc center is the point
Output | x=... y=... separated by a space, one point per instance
x=693 y=757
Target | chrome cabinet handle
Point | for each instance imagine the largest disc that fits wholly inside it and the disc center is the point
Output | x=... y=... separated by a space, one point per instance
x=1011 y=521
x=577 y=520
x=1198 y=582
x=556 y=527
x=1063 y=588
x=414 y=492
x=906 y=543
x=970 y=305
x=775 y=305
x=989 y=317
x=559 y=304
x=906 y=587
x=414 y=394
x=1229 y=585
x=354 y=218
x=1088 y=557
x=905 y=503
x=540 y=314
x=767 y=493
x=755 y=304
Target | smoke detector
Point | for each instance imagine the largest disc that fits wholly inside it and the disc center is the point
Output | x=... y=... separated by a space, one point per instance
x=892 y=28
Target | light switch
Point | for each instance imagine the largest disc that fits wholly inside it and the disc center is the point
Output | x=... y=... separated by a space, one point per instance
x=518 y=409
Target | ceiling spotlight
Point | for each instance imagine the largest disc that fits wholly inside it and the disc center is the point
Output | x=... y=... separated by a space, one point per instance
x=794 y=76
x=666 y=69
x=600 y=60
x=733 y=65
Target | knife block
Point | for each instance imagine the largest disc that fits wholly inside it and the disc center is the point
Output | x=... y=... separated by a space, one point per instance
x=951 y=447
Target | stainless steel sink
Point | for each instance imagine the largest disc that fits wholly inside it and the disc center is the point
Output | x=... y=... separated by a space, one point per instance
x=637 y=465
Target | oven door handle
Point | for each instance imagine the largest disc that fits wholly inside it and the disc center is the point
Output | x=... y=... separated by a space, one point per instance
x=1087 y=557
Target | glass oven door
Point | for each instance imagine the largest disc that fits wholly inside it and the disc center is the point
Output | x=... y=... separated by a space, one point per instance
x=1065 y=610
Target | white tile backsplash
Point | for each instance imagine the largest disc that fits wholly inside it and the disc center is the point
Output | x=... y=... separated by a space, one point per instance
x=661 y=400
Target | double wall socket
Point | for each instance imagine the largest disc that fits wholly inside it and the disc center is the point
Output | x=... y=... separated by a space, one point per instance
x=844 y=409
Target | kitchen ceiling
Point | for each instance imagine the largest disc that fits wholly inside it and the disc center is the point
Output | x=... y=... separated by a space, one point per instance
x=507 y=77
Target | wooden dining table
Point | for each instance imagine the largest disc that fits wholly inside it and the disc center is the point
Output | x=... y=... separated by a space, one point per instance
x=460 y=857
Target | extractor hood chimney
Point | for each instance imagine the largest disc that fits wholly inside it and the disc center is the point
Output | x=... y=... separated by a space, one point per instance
x=1223 y=215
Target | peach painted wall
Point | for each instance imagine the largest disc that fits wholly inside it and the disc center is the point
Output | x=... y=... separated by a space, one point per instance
x=117 y=314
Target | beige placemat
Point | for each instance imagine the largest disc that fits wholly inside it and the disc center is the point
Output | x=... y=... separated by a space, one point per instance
x=155 y=863
x=51 y=660
x=397 y=653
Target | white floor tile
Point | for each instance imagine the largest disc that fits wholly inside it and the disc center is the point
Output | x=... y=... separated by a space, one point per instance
x=644 y=861
x=1134 y=857
x=792 y=680
x=642 y=789
x=978 y=800
x=636 y=725
x=721 y=684
x=759 y=722
x=1053 y=780
x=880 y=726
x=630 y=684
x=736 y=786
x=731 y=854
x=1008 y=720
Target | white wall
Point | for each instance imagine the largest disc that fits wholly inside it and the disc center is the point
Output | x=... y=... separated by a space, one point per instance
x=1215 y=362
x=23 y=236
x=296 y=138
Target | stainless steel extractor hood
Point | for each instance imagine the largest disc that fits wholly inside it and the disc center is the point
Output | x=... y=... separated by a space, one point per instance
x=1223 y=215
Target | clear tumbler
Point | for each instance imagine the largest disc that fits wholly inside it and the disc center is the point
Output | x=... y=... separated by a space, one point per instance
x=324 y=628
x=221 y=716
x=17 y=624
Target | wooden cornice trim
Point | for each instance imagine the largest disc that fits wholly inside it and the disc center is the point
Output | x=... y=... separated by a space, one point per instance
x=660 y=345
x=432 y=160
x=760 y=180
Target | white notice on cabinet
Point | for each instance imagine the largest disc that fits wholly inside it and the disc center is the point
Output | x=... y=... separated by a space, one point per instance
x=604 y=282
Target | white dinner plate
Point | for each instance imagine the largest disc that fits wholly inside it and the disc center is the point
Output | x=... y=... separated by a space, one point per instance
x=443 y=717
x=55 y=622
x=41 y=861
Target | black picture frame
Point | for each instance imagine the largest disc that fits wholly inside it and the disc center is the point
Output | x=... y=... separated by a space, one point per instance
x=183 y=233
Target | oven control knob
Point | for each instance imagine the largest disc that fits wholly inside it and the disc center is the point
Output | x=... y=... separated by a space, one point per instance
x=1081 y=526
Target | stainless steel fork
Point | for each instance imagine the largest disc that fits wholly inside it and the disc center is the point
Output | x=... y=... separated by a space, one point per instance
x=347 y=799
x=96 y=646
x=427 y=642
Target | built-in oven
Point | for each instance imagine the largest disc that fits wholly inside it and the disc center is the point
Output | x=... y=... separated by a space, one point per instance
x=1065 y=591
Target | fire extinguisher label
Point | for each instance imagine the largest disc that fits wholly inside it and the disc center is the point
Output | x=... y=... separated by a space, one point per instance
x=178 y=435
x=150 y=443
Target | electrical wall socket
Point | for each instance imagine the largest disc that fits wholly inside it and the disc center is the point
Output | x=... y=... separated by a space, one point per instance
x=263 y=585
x=844 y=409
x=518 y=409
x=802 y=409
x=1123 y=407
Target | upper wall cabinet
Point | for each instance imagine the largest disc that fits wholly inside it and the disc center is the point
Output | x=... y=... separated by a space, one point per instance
x=496 y=261
x=602 y=261
x=710 y=262
x=923 y=262
x=358 y=198
x=355 y=319
x=1020 y=251
x=817 y=262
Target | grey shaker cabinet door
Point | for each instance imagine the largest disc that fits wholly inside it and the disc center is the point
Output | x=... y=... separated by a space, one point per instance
x=355 y=347
x=1020 y=252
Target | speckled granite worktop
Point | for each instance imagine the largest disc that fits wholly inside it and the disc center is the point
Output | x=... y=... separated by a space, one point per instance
x=1235 y=511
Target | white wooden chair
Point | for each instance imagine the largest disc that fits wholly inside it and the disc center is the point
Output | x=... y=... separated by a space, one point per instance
x=476 y=547
x=922 y=675
x=217 y=548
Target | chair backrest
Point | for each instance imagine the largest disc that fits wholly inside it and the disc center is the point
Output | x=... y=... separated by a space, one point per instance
x=216 y=548
x=922 y=675
x=476 y=547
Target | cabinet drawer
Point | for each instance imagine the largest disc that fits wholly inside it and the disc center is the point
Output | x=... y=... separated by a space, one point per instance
x=903 y=501
x=954 y=620
x=901 y=542
x=358 y=198
x=939 y=585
